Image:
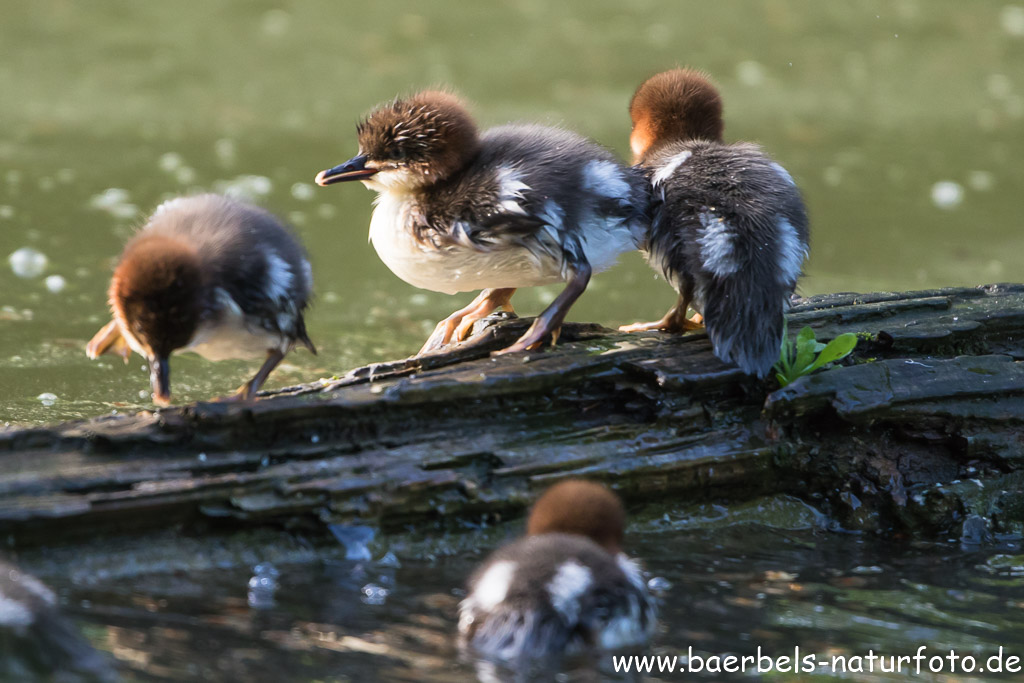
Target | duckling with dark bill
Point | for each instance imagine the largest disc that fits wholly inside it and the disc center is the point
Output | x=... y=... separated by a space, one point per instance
x=518 y=206
x=212 y=275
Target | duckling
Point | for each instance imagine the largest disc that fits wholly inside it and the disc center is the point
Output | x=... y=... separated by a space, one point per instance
x=211 y=275
x=730 y=230
x=518 y=206
x=563 y=588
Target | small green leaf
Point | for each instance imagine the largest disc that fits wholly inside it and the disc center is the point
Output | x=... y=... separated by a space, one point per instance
x=781 y=379
x=805 y=349
x=837 y=349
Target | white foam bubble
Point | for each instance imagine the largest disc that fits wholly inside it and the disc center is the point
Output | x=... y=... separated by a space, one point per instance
x=303 y=191
x=1011 y=18
x=750 y=73
x=982 y=181
x=28 y=262
x=55 y=283
x=171 y=162
x=947 y=194
x=47 y=398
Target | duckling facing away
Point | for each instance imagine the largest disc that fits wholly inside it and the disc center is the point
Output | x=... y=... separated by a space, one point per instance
x=563 y=588
x=730 y=230
x=519 y=206
x=211 y=275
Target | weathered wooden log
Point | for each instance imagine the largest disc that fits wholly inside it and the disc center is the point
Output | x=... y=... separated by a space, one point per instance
x=919 y=430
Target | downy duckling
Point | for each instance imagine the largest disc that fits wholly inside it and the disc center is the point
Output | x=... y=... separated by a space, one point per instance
x=563 y=588
x=730 y=230
x=518 y=206
x=211 y=275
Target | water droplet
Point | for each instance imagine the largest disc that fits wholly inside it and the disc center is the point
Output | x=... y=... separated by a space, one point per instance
x=47 y=398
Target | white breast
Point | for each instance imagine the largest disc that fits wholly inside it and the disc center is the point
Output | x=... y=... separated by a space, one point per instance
x=452 y=268
x=230 y=335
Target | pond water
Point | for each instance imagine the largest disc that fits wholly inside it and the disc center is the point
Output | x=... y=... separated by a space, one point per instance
x=901 y=121
x=771 y=574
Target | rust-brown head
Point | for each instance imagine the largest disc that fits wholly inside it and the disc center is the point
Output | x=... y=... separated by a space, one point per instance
x=156 y=297
x=583 y=508
x=680 y=104
x=409 y=144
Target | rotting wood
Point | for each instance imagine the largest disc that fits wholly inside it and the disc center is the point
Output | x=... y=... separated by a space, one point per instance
x=922 y=428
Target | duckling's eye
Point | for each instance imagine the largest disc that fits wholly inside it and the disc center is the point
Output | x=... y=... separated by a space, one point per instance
x=395 y=154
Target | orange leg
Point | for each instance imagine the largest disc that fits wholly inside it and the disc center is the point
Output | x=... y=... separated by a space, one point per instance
x=459 y=324
x=549 y=323
x=248 y=390
x=673 y=321
x=108 y=340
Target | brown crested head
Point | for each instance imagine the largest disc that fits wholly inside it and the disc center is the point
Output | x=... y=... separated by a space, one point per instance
x=579 y=507
x=156 y=293
x=421 y=139
x=675 y=105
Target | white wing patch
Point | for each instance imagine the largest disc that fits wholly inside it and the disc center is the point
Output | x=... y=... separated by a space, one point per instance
x=511 y=189
x=666 y=171
x=792 y=252
x=605 y=179
x=566 y=587
x=493 y=586
x=716 y=247
x=279 y=277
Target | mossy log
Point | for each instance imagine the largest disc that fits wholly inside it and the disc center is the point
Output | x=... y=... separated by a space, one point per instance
x=920 y=430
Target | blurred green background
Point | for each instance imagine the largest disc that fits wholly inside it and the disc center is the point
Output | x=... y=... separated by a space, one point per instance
x=900 y=120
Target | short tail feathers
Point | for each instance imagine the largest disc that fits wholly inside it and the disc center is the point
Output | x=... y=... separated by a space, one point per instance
x=744 y=321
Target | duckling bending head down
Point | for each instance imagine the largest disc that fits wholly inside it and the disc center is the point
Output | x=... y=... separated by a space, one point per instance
x=563 y=588
x=211 y=275
x=730 y=230
x=516 y=206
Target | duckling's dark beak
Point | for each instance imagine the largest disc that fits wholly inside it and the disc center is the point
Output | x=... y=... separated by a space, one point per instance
x=160 y=380
x=353 y=169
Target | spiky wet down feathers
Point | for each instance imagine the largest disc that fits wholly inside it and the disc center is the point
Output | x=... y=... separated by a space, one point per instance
x=730 y=230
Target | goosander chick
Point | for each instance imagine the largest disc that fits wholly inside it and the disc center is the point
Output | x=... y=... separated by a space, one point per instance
x=211 y=275
x=563 y=588
x=730 y=230
x=518 y=206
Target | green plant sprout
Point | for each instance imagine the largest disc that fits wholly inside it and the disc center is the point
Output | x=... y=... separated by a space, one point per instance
x=807 y=354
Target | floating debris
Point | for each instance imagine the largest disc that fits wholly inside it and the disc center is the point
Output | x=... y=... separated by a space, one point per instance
x=947 y=194
x=28 y=262
x=55 y=283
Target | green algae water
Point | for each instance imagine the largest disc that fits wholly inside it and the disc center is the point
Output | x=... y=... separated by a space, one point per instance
x=901 y=121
